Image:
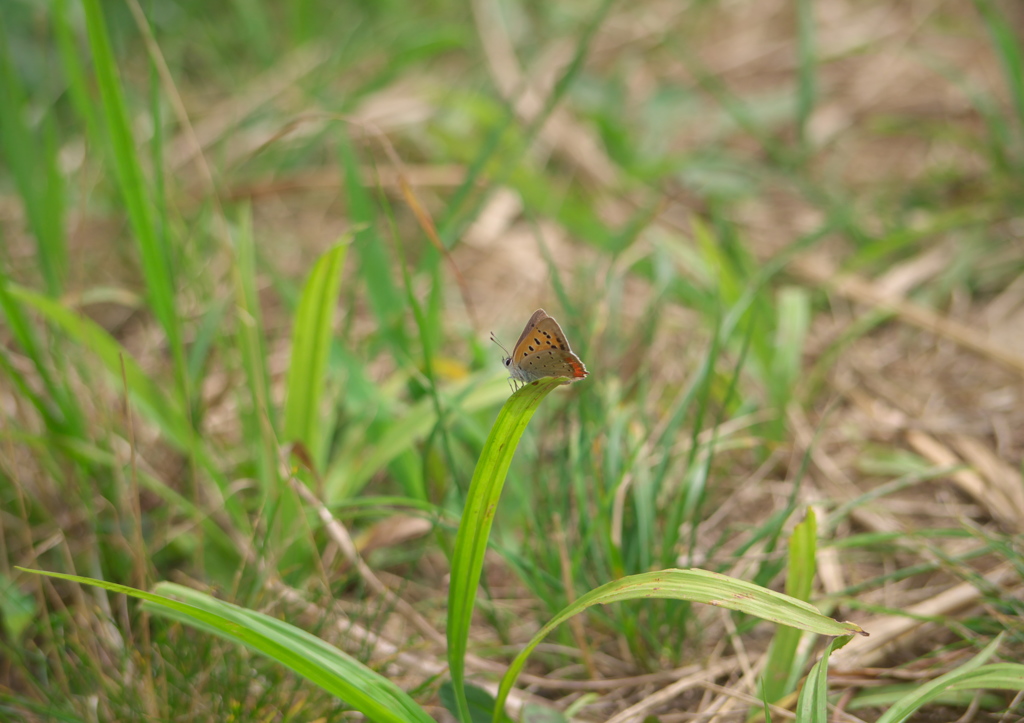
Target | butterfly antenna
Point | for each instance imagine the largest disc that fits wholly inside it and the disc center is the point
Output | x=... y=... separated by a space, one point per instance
x=495 y=340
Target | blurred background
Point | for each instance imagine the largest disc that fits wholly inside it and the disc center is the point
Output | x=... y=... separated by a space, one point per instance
x=784 y=236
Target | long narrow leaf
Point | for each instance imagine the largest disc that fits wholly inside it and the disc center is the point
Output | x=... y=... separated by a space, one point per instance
x=699 y=586
x=74 y=69
x=1006 y=42
x=780 y=676
x=34 y=169
x=812 y=706
x=973 y=674
x=159 y=408
x=339 y=674
x=375 y=265
x=154 y=253
x=252 y=346
x=477 y=518
x=358 y=461
x=807 y=65
x=25 y=335
x=311 y=341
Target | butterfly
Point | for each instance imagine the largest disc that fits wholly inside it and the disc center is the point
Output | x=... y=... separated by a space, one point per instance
x=542 y=351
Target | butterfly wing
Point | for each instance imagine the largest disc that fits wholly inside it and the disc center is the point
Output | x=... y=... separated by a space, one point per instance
x=543 y=351
x=518 y=351
x=552 y=363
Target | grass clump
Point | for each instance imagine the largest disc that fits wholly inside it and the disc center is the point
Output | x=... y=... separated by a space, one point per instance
x=250 y=258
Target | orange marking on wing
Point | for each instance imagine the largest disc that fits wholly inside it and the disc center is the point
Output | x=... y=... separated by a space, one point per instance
x=578 y=370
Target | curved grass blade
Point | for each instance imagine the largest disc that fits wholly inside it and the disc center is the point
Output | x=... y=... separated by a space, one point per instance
x=154 y=251
x=477 y=517
x=812 y=705
x=807 y=68
x=700 y=586
x=311 y=340
x=784 y=666
x=160 y=408
x=370 y=693
x=973 y=674
x=258 y=417
x=357 y=462
x=32 y=162
x=1007 y=47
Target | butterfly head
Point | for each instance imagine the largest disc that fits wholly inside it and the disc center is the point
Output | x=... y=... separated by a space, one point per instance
x=507 y=359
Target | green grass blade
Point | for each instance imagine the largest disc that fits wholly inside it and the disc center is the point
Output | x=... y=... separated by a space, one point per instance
x=32 y=161
x=806 y=93
x=55 y=394
x=354 y=465
x=311 y=341
x=792 y=325
x=339 y=674
x=973 y=674
x=154 y=252
x=780 y=675
x=694 y=585
x=75 y=71
x=375 y=265
x=481 y=703
x=812 y=705
x=252 y=349
x=252 y=17
x=996 y=676
x=158 y=407
x=1006 y=43
x=477 y=518
x=459 y=213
